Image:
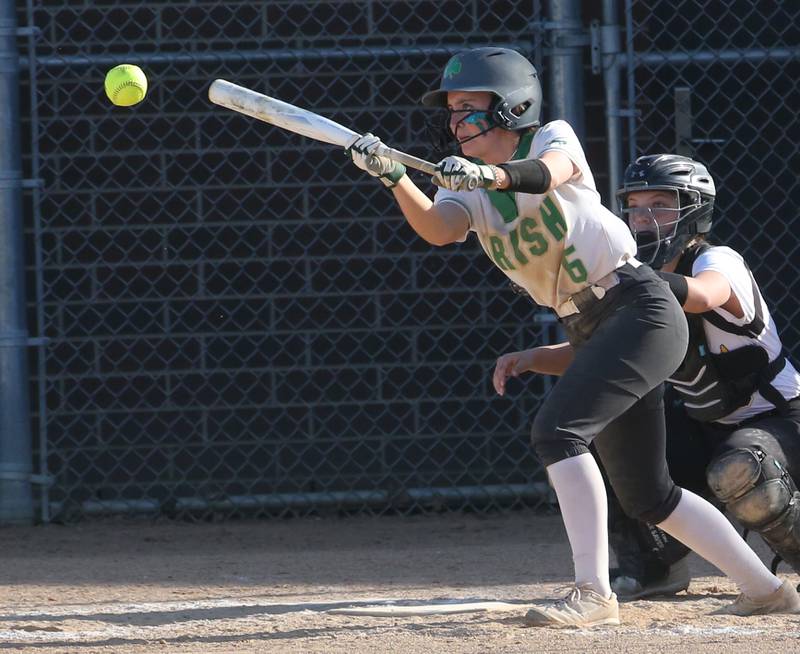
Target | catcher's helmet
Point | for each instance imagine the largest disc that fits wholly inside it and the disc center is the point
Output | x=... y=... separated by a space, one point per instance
x=695 y=190
x=500 y=71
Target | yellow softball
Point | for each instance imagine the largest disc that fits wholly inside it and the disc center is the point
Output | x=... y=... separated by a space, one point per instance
x=126 y=85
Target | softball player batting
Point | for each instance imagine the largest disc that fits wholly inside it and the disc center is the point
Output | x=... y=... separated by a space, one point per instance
x=538 y=216
x=733 y=416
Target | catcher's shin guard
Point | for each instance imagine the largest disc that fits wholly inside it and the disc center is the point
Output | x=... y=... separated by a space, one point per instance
x=760 y=494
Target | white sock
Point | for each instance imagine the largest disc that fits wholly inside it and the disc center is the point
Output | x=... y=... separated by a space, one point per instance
x=701 y=527
x=584 y=509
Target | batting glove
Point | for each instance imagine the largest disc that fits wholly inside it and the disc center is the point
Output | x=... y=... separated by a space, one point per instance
x=459 y=174
x=362 y=153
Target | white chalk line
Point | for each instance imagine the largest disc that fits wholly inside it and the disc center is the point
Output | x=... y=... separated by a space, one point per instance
x=121 y=608
x=446 y=607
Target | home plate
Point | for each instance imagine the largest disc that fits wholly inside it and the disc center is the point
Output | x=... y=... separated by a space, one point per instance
x=434 y=608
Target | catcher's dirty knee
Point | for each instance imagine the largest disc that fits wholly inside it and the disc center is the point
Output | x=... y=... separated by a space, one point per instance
x=758 y=491
x=737 y=472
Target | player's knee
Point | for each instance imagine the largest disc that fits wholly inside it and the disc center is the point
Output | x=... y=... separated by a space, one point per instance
x=552 y=444
x=752 y=484
x=652 y=505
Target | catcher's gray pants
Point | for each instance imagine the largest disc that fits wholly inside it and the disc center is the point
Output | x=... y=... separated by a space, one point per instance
x=626 y=345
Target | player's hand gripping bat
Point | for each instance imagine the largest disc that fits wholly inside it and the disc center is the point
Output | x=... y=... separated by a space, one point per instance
x=301 y=121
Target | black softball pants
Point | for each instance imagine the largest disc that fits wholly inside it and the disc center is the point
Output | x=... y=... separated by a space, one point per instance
x=625 y=345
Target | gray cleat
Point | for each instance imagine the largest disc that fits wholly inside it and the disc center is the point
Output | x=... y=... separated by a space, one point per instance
x=582 y=607
x=784 y=600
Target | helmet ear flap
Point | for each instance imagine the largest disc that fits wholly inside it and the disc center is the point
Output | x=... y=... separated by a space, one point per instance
x=503 y=111
x=502 y=115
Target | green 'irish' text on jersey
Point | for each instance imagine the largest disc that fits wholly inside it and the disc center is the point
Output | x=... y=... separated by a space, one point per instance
x=553 y=244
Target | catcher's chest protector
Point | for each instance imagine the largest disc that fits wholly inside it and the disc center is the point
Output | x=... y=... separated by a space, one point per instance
x=713 y=386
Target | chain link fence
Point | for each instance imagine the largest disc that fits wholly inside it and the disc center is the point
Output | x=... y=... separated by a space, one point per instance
x=720 y=81
x=238 y=320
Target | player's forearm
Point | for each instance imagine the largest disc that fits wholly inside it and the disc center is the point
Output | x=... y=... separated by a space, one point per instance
x=697 y=301
x=422 y=215
x=552 y=359
x=705 y=292
x=535 y=175
x=527 y=176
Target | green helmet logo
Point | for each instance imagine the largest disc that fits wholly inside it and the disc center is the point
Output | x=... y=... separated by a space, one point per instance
x=453 y=68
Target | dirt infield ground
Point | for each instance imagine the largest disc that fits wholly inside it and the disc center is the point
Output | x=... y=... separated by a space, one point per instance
x=135 y=587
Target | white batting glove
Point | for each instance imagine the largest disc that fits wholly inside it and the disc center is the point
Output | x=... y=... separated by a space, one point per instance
x=459 y=174
x=362 y=153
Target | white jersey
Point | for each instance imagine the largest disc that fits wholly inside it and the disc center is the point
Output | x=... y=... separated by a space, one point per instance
x=555 y=244
x=730 y=265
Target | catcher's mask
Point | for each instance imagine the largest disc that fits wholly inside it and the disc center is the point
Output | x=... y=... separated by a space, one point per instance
x=663 y=230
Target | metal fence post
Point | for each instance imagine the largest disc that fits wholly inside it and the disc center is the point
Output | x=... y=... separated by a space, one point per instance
x=610 y=51
x=565 y=70
x=16 y=501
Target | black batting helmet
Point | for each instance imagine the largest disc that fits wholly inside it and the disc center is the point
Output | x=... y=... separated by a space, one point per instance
x=505 y=73
x=695 y=190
